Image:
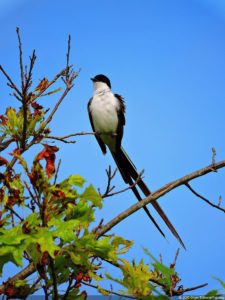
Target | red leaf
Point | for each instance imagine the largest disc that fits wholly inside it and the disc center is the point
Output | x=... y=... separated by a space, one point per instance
x=36 y=106
x=48 y=153
x=46 y=131
x=42 y=85
x=86 y=278
x=78 y=277
x=3 y=120
x=3 y=161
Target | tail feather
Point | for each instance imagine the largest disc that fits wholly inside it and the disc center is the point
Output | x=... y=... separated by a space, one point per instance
x=129 y=172
x=128 y=179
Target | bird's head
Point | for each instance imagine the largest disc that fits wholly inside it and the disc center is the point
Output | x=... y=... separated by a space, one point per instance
x=101 y=81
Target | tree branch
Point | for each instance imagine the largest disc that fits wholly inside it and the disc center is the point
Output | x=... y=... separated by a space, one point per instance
x=11 y=83
x=203 y=198
x=158 y=194
x=21 y=58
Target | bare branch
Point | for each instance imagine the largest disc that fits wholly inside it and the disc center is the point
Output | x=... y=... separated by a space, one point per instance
x=4 y=145
x=21 y=58
x=63 y=138
x=14 y=212
x=110 y=176
x=158 y=194
x=60 y=139
x=130 y=187
x=30 y=269
x=11 y=84
x=203 y=198
x=69 y=85
x=68 y=58
x=175 y=259
x=181 y=290
x=28 y=75
x=51 y=82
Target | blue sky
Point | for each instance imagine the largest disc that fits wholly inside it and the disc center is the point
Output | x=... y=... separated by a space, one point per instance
x=167 y=58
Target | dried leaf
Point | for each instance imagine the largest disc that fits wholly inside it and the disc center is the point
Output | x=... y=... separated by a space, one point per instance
x=48 y=153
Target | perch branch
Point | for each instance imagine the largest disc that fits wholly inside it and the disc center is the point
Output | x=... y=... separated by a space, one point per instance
x=158 y=194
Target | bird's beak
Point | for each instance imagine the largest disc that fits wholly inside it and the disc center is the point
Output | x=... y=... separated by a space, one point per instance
x=93 y=79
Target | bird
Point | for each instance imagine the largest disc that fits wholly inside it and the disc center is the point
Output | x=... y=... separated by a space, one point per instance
x=107 y=117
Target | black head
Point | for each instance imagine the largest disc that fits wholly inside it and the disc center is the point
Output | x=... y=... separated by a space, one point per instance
x=102 y=78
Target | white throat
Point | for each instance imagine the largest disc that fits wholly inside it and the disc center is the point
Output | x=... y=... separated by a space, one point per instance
x=101 y=88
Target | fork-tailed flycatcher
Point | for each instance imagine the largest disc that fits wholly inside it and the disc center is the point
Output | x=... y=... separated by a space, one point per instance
x=107 y=116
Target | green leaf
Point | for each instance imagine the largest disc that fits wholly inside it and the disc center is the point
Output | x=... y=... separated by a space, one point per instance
x=121 y=244
x=76 y=180
x=45 y=239
x=65 y=229
x=90 y=194
x=135 y=279
x=12 y=236
x=81 y=212
x=11 y=114
x=212 y=293
x=13 y=254
x=166 y=272
x=220 y=281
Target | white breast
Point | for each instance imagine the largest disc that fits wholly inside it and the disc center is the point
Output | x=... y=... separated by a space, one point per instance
x=104 y=112
x=103 y=109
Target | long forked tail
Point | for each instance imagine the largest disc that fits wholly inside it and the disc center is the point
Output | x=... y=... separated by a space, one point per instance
x=129 y=173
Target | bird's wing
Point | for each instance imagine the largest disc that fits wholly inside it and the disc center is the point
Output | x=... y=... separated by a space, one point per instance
x=121 y=116
x=100 y=142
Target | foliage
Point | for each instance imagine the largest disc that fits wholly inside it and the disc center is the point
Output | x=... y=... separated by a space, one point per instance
x=47 y=226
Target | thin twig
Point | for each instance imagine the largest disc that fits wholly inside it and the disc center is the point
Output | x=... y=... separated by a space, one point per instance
x=4 y=145
x=14 y=212
x=110 y=176
x=57 y=138
x=175 y=258
x=57 y=171
x=125 y=189
x=54 y=278
x=30 y=192
x=29 y=75
x=68 y=58
x=68 y=88
x=63 y=138
x=11 y=83
x=107 y=291
x=98 y=226
x=203 y=198
x=69 y=287
x=49 y=83
x=195 y=287
x=21 y=58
